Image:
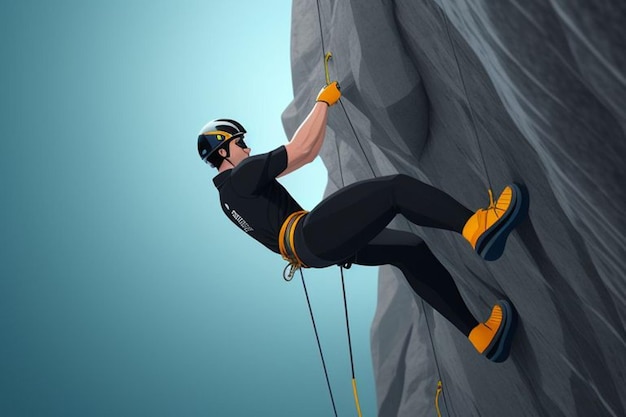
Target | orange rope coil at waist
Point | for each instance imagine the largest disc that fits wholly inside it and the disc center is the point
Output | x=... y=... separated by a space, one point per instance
x=286 y=243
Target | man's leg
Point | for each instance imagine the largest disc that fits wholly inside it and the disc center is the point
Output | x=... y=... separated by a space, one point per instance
x=423 y=271
x=345 y=222
x=348 y=219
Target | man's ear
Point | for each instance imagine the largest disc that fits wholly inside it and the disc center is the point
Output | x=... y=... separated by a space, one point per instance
x=222 y=152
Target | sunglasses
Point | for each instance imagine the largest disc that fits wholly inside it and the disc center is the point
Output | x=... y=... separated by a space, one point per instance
x=241 y=143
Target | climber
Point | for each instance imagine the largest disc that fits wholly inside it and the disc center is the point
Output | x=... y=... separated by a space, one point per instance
x=349 y=226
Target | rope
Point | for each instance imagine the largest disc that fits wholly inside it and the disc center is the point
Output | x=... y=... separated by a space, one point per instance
x=319 y=19
x=469 y=103
x=345 y=306
x=475 y=131
x=342 y=277
x=357 y=140
x=432 y=344
x=319 y=346
x=444 y=12
x=326 y=57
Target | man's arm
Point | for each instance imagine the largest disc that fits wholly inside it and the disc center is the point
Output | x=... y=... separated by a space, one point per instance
x=306 y=143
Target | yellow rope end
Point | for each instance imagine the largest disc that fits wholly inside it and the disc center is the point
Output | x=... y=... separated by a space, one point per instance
x=356 y=397
x=327 y=58
x=492 y=204
x=439 y=390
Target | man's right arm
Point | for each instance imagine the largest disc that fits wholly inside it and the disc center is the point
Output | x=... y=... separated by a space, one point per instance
x=306 y=143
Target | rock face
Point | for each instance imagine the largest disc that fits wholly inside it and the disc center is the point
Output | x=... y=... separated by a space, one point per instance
x=462 y=94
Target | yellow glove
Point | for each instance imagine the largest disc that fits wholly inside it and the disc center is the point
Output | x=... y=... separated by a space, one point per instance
x=329 y=94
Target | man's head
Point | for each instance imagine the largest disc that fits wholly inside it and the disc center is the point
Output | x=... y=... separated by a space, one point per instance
x=222 y=140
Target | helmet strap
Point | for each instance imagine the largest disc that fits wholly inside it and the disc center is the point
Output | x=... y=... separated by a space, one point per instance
x=227 y=149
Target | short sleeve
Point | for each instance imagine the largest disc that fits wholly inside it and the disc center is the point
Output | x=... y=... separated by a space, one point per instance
x=257 y=171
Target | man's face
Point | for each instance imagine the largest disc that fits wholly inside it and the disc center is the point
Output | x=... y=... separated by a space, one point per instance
x=237 y=152
x=239 y=142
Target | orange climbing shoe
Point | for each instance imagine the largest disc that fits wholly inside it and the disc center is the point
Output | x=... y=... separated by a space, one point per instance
x=493 y=338
x=488 y=229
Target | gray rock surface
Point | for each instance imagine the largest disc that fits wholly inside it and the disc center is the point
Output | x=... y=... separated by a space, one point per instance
x=536 y=89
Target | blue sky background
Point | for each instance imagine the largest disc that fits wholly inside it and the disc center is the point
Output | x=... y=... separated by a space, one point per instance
x=124 y=290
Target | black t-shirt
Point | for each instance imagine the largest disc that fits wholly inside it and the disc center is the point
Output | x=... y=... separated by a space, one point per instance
x=253 y=199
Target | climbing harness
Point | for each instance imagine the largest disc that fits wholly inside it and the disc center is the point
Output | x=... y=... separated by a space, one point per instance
x=286 y=244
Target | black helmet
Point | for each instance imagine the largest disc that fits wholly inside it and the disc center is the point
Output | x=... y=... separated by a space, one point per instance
x=215 y=135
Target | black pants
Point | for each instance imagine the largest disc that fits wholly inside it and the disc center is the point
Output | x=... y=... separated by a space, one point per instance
x=350 y=226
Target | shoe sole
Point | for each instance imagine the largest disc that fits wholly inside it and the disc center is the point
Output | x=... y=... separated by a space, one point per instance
x=491 y=245
x=500 y=351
